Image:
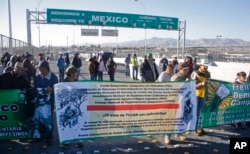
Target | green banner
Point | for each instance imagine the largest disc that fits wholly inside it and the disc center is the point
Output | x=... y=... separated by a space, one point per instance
x=25 y=114
x=226 y=103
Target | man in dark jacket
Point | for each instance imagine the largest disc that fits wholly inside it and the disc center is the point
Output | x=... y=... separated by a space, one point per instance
x=14 y=79
x=148 y=70
x=77 y=63
x=30 y=69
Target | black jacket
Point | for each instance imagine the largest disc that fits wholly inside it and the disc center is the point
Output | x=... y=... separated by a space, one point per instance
x=10 y=81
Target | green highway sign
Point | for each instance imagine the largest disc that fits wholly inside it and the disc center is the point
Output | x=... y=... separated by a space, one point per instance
x=76 y=17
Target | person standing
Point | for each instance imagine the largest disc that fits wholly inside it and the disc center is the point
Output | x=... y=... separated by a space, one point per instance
x=91 y=68
x=14 y=79
x=148 y=70
x=182 y=74
x=96 y=66
x=165 y=77
x=167 y=74
x=201 y=76
x=111 y=66
x=30 y=69
x=71 y=74
x=127 y=62
x=101 y=68
x=67 y=60
x=61 y=66
x=45 y=78
x=77 y=63
x=163 y=64
x=175 y=63
x=241 y=79
x=135 y=66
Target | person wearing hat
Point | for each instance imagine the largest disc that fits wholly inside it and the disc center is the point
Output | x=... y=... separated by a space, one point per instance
x=71 y=73
x=127 y=62
x=14 y=79
x=148 y=70
x=30 y=69
x=182 y=74
x=175 y=63
x=201 y=76
x=135 y=65
x=61 y=66
x=45 y=78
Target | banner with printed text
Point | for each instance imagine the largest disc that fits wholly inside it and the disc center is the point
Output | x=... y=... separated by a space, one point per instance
x=86 y=110
x=226 y=103
x=25 y=114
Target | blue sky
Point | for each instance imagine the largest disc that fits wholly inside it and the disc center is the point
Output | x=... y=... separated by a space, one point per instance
x=204 y=19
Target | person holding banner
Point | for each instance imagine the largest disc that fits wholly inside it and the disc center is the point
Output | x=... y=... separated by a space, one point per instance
x=241 y=79
x=165 y=77
x=14 y=79
x=71 y=73
x=167 y=74
x=182 y=74
x=201 y=76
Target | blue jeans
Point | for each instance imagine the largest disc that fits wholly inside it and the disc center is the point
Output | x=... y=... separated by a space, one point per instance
x=127 y=71
x=92 y=76
x=61 y=75
x=135 y=72
x=100 y=75
x=112 y=76
x=78 y=70
x=200 y=103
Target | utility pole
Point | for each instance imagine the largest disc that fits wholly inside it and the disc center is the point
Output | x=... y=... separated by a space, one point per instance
x=10 y=29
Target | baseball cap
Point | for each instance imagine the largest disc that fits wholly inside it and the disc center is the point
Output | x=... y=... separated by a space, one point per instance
x=149 y=55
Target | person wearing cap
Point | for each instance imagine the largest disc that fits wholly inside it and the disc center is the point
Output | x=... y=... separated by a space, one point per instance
x=14 y=79
x=30 y=69
x=182 y=74
x=61 y=66
x=127 y=62
x=45 y=78
x=135 y=65
x=175 y=63
x=148 y=70
x=201 y=76
x=71 y=73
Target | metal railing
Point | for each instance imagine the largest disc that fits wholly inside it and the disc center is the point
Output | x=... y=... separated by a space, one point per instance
x=18 y=47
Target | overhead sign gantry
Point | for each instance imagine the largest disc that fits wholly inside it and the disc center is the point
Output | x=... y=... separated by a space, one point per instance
x=76 y=17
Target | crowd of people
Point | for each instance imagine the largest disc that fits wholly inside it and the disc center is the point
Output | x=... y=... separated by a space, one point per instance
x=22 y=72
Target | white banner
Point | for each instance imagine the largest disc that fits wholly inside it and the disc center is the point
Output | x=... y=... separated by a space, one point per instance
x=87 y=110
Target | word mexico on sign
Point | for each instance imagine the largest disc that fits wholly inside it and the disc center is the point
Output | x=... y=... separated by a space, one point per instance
x=109 y=32
x=76 y=17
x=89 y=32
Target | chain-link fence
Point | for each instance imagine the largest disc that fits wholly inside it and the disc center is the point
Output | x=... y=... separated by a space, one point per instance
x=18 y=46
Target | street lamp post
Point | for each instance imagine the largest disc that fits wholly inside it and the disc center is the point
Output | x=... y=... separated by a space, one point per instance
x=10 y=29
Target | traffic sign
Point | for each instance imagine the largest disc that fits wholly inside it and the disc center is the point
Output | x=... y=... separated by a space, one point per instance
x=89 y=32
x=109 y=32
x=77 y=17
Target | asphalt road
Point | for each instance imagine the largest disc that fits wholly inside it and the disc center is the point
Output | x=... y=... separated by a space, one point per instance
x=215 y=141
